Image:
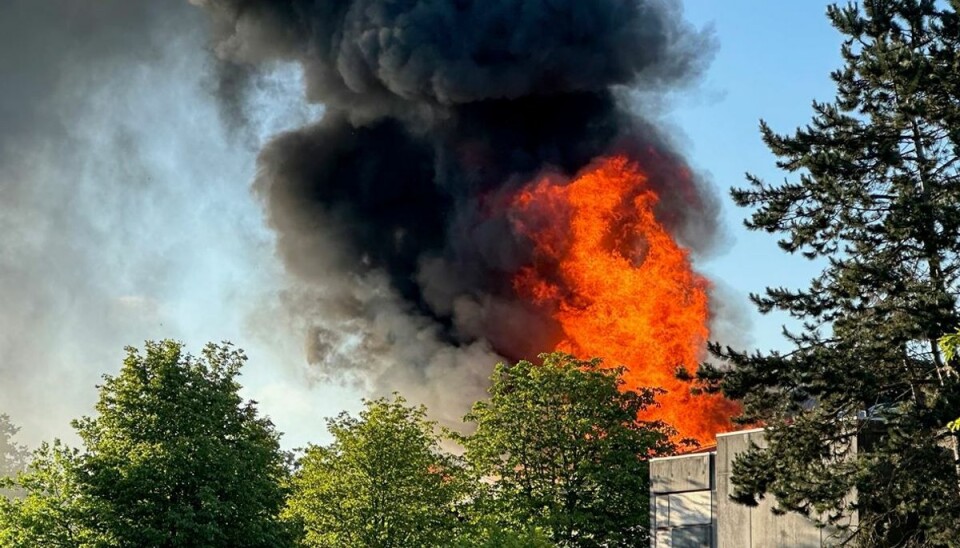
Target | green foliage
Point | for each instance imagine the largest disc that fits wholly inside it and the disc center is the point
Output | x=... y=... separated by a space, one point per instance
x=492 y=535
x=950 y=346
x=563 y=450
x=53 y=512
x=383 y=482
x=876 y=201
x=176 y=458
x=173 y=458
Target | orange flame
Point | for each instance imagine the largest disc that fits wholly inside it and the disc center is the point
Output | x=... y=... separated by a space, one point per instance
x=620 y=287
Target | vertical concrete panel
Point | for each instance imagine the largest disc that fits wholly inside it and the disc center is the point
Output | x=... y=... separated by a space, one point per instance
x=733 y=520
x=765 y=528
x=757 y=437
x=768 y=530
x=662 y=539
x=653 y=520
x=800 y=531
x=713 y=500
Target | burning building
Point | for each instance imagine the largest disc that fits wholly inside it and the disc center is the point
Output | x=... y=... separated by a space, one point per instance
x=485 y=183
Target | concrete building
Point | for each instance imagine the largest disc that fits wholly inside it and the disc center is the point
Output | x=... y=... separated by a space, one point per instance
x=690 y=504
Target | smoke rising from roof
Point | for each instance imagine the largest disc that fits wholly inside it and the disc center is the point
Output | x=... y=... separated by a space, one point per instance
x=389 y=208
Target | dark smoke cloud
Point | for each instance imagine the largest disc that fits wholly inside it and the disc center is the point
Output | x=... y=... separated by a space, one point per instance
x=436 y=111
x=371 y=57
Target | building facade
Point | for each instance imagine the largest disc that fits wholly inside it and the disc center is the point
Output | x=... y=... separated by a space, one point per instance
x=690 y=505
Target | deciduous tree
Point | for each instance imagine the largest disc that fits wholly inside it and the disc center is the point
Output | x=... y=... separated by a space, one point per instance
x=51 y=509
x=384 y=482
x=562 y=449
x=175 y=457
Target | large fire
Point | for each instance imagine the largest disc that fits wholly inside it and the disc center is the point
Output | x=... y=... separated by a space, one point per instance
x=620 y=286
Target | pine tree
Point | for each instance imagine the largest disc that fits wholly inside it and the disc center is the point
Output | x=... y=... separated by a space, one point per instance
x=875 y=199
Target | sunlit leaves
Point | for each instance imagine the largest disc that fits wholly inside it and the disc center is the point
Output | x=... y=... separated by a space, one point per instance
x=384 y=482
x=562 y=448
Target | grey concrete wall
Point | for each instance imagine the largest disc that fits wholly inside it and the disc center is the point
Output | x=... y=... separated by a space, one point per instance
x=756 y=527
x=689 y=493
x=734 y=522
x=683 y=501
x=693 y=472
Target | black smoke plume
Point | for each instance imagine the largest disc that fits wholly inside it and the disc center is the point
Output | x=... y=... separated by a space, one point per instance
x=434 y=111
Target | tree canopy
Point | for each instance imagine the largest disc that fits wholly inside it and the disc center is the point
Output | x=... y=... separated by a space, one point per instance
x=875 y=200
x=174 y=457
x=50 y=509
x=565 y=451
x=384 y=482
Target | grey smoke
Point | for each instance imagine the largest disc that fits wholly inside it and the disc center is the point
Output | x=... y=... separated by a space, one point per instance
x=123 y=212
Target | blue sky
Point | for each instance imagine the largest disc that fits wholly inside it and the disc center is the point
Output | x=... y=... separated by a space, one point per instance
x=774 y=58
x=126 y=213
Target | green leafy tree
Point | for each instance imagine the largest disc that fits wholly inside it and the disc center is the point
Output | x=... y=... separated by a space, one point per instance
x=876 y=201
x=562 y=449
x=52 y=511
x=384 y=482
x=486 y=533
x=175 y=457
